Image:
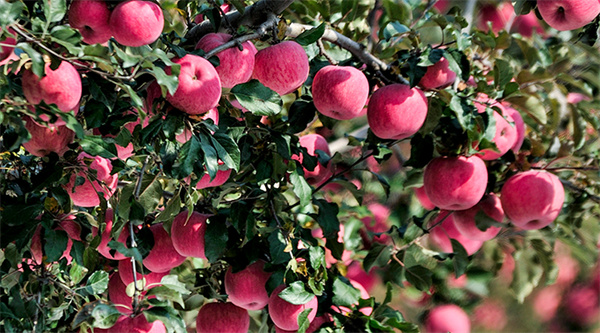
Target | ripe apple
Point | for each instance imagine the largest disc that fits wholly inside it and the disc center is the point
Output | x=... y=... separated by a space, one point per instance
x=117 y=294
x=497 y=15
x=568 y=15
x=396 y=111
x=163 y=256
x=86 y=194
x=465 y=219
x=61 y=86
x=7 y=39
x=246 y=288
x=91 y=18
x=455 y=183
x=220 y=179
x=378 y=223
x=447 y=318
x=490 y=315
x=527 y=25
x=568 y=268
x=47 y=139
x=136 y=22
x=126 y=274
x=106 y=237
x=505 y=136
x=285 y=314
x=187 y=235
x=422 y=197
x=137 y=324
x=312 y=143
x=438 y=75
x=199 y=88
x=546 y=302
x=282 y=67
x=441 y=234
x=235 y=66
x=519 y=126
x=222 y=317
x=356 y=273
x=340 y=92
x=582 y=305
x=529 y=211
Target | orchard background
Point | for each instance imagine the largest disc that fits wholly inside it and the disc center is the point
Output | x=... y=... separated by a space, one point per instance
x=104 y=162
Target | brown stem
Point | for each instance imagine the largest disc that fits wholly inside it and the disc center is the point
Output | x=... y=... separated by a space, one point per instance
x=324 y=53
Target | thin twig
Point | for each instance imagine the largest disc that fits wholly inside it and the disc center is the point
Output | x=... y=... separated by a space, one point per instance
x=580 y=190
x=324 y=53
x=138 y=185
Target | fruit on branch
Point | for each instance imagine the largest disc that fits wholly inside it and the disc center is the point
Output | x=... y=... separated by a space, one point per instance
x=137 y=324
x=423 y=198
x=66 y=224
x=519 y=127
x=235 y=66
x=396 y=111
x=441 y=233
x=186 y=135
x=527 y=25
x=438 y=75
x=222 y=317
x=199 y=88
x=582 y=305
x=163 y=256
x=149 y=280
x=455 y=183
x=498 y=16
x=378 y=223
x=246 y=288
x=47 y=139
x=136 y=22
x=187 y=235
x=506 y=134
x=447 y=318
x=312 y=143
x=466 y=221
x=357 y=273
x=568 y=15
x=61 y=86
x=367 y=311
x=86 y=194
x=285 y=314
x=6 y=50
x=220 y=179
x=91 y=18
x=117 y=294
x=546 y=302
x=282 y=67
x=106 y=237
x=532 y=199
x=340 y=92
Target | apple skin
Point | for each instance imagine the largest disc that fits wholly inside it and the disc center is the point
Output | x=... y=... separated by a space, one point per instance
x=447 y=318
x=528 y=211
x=136 y=22
x=6 y=51
x=490 y=315
x=85 y=195
x=199 y=88
x=126 y=275
x=137 y=324
x=340 y=92
x=312 y=143
x=378 y=223
x=422 y=197
x=163 y=256
x=61 y=87
x=396 y=111
x=282 y=67
x=220 y=179
x=103 y=248
x=497 y=15
x=188 y=235
x=285 y=314
x=222 y=317
x=47 y=139
x=235 y=66
x=506 y=134
x=438 y=75
x=528 y=25
x=582 y=305
x=91 y=18
x=356 y=273
x=519 y=127
x=465 y=219
x=568 y=15
x=66 y=224
x=246 y=288
x=441 y=234
x=455 y=183
x=546 y=302
x=117 y=294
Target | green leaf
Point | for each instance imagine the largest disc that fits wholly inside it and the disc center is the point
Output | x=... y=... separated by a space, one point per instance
x=301 y=188
x=171 y=210
x=344 y=293
x=379 y=255
x=257 y=98
x=190 y=154
x=168 y=316
x=95 y=145
x=172 y=282
x=37 y=62
x=420 y=277
x=277 y=245
x=503 y=73
x=327 y=217
x=164 y=293
x=215 y=238
x=10 y=12
x=526 y=275
x=227 y=150
x=312 y=35
x=151 y=193
x=317 y=257
x=303 y=321
x=169 y=81
x=460 y=259
x=97 y=283
x=296 y=294
x=55 y=244
x=105 y=316
x=128 y=252
x=532 y=106
x=55 y=10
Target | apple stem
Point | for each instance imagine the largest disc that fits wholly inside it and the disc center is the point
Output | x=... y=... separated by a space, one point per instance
x=324 y=53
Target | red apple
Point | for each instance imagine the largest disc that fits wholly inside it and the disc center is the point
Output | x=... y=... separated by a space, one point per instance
x=66 y=224
x=117 y=294
x=7 y=40
x=465 y=222
x=357 y=273
x=422 y=197
x=527 y=25
x=86 y=194
x=519 y=127
x=532 y=199
x=137 y=324
x=447 y=318
x=379 y=222
x=47 y=139
x=340 y=92
x=568 y=15
x=220 y=179
x=285 y=314
x=312 y=143
x=396 y=111
x=490 y=315
x=136 y=22
x=438 y=75
x=163 y=256
x=61 y=86
x=187 y=235
x=126 y=274
x=582 y=305
x=506 y=134
x=498 y=16
x=441 y=234
x=106 y=237
x=282 y=67
x=91 y=18
x=246 y=288
x=222 y=317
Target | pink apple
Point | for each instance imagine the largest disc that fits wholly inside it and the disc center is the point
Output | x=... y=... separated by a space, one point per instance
x=438 y=75
x=465 y=222
x=490 y=315
x=396 y=111
x=7 y=39
x=117 y=294
x=47 y=139
x=340 y=92
x=532 y=199
x=282 y=67
x=528 y=25
x=235 y=66
x=456 y=282
x=379 y=222
x=246 y=288
x=66 y=224
x=199 y=88
x=222 y=317
x=568 y=268
x=86 y=194
x=136 y=22
x=106 y=237
x=187 y=235
x=568 y=15
x=356 y=273
x=546 y=302
x=441 y=233
x=312 y=143
x=186 y=135
x=519 y=127
x=422 y=197
x=61 y=86
x=506 y=134
x=285 y=314
x=126 y=274
x=447 y=318
x=137 y=324
x=498 y=16
x=163 y=256
x=574 y=98
x=220 y=179
x=91 y=18
x=367 y=311
x=455 y=183
x=582 y=305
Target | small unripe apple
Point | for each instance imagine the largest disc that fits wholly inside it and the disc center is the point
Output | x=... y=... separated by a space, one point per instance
x=86 y=194
x=441 y=233
x=61 y=86
x=163 y=256
x=282 y=67
x=529 y=211
x=447 y=318
x=285 y=314
x=396 y=111
x=222 y=317
x=312 y=143
x=137 y=324
x=106 y=237
x=47 y=139
x=91 y=18
x=187 y=235
x=568 y=15
x=136 y=22
x=246 y=288
x=465 y=222
x=438 y=75
x=340 y=92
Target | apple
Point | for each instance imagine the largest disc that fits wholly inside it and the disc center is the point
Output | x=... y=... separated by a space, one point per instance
x=422 y=197
x=312 y=143
x=568 y=15
x=47 y=139
x=220 y=179
x=126 y=274
x=532 y=199
x=356 y=273
x=568 y=268
x=441 y=234
x=186 y=135
x=8 y=39
x=340 y=92
x=285 y=314
x=199 y=88
x=246 y=288
x=137 y=324
x=235 y=66
x=506 y=135
x=61 y=87
x=465 y=222
x=497 y=15
x=163 y=256
x=187 y=235
x=490 y=315
x=222 y=317
x=91 y=18
x=282 y=67
x=438 y=75
x=447 y=318
x=546 y=302
x=396 y=111
x=117 y=294
x=456 y=282
x=86 y=194
x=314 y=325
x=527 y=25
x=379 y=222
x=106 y=237
x=582 y=305
x=136 y=22
x=455 y=183
x=66 y=224
x=519 y=127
